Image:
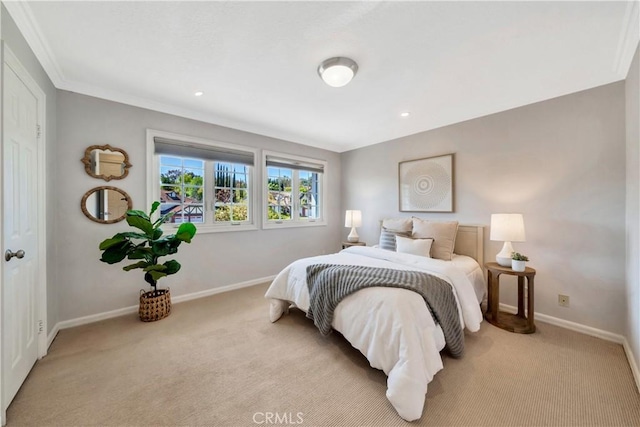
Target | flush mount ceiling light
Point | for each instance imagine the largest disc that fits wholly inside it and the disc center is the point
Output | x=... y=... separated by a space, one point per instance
x=337 y=72
x=199 y=93
x=405 y=114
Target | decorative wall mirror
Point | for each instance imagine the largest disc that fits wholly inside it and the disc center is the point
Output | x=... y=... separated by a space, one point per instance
x=105 y=205
x=106 y=162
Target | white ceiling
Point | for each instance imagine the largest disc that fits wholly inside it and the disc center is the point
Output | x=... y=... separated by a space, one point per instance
x=256 y=62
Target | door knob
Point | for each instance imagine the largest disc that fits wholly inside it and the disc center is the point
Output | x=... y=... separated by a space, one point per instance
x=18 y=254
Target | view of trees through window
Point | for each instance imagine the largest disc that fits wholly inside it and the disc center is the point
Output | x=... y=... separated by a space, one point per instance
x=231 y=195
x=217 y=192
x=182 y=189
x=281 y=193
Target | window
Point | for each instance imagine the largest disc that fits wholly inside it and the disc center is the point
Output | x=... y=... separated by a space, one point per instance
x=200 y=181
x=231 y=192
x=293 y=193
x=182 y=188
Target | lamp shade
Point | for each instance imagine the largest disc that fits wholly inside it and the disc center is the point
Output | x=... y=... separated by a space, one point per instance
x=353 y=219
x=507 y=227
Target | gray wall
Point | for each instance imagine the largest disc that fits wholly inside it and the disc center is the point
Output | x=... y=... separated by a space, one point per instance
x=87 y=286
x=18 y=45
x=632 y=91
x=559 y=162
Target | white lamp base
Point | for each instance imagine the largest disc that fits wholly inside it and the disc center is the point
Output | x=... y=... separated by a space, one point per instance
x=504 y=256
x=353 y=236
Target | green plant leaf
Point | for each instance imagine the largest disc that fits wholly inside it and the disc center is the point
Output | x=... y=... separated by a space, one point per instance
x=155 y=267
x=107 y=243
x=141 y=223
x=140 y=264
x=166 y=246
x=157 y=275
x=116 y=253
x=141 y=253
x=186 y=231
x=141 y=214
x=157 y=233
x=164 y=218
x=173 y=266
x=154 y=207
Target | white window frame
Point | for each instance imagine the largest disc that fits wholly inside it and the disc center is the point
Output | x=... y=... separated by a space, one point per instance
x=295 y=221
x=153 y=181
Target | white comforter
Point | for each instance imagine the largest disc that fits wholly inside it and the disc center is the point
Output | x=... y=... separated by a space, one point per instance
x=391 y=327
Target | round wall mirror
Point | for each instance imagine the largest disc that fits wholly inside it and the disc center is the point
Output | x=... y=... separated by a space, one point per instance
x=106 y=162
x=105 y=205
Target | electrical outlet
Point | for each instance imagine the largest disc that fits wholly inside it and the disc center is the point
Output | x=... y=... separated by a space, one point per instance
x=563 y=300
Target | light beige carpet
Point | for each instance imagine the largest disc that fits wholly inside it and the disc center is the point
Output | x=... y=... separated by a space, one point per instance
x=218 y=361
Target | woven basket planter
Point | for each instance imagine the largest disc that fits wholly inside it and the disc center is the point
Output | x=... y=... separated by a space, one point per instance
x=154 y=305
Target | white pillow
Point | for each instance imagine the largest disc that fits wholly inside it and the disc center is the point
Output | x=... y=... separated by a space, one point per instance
x=420 y=247
x=442 y=232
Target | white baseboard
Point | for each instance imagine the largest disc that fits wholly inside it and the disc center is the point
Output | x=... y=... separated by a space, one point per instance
x=214 y=291
x=134 y=308
x=588 y=330
x=52 y=335
x=632 y=362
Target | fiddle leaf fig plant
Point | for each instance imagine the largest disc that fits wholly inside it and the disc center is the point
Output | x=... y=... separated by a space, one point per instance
x=147 y=245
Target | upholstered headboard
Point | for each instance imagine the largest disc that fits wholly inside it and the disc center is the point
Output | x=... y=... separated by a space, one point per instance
x=470 y=242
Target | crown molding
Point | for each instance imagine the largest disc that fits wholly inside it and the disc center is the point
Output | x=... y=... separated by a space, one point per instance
x=628 y=41
x=187 y=113
x=24 y=19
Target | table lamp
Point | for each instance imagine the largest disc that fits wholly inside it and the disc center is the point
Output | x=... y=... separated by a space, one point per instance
x=507 y=228
x=353 y=219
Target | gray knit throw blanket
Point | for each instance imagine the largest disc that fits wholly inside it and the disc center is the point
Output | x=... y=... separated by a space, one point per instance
x=329 y=284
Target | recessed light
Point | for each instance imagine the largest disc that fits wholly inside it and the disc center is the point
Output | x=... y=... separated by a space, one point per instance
x=199 y=93
x=405 y=114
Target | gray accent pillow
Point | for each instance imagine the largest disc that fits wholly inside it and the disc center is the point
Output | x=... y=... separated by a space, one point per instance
x=388 y=238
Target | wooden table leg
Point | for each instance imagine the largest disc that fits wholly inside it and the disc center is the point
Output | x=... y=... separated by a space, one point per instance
x=521 y=297
x=495 y=296
x=530 y=302
x=489 y=291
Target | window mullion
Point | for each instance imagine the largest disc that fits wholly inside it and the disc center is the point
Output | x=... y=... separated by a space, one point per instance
x=295 y=197
x=208 y=192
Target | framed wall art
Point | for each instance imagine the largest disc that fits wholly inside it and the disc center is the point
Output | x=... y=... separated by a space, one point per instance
x=426 y=185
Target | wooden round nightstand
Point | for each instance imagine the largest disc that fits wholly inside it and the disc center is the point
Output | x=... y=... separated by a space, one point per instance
x=518 y=322
x=345 y=245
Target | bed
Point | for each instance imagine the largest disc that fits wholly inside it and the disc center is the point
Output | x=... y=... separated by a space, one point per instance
x=393 y=327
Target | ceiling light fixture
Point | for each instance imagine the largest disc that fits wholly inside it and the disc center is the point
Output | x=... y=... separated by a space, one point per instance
x=199 y=93
x=405 y=114
x=337 y=72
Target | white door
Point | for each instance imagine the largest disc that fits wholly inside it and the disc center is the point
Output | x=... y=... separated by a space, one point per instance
x=19 y=234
